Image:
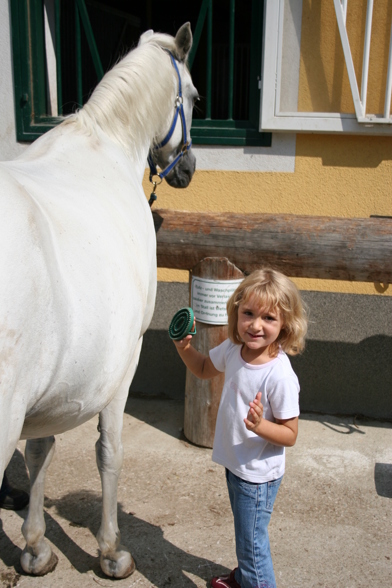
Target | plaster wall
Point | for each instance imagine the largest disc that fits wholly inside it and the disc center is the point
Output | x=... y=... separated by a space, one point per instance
x=346 y=366
x=332 y=175
x=9 y=148
x=309 y=174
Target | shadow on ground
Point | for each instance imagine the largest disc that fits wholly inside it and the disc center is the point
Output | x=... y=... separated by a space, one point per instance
x=383 y=479
x=157 y=559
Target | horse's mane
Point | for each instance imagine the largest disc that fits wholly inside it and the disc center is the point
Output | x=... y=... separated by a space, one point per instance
x=133 y=101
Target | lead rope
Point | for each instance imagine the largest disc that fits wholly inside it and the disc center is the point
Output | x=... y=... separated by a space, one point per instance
x=153 y=196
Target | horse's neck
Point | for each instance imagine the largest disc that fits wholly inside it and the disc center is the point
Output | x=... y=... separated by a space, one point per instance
x=140 y=160
x=133 y=105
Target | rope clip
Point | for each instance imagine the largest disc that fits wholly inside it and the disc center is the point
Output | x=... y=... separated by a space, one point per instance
x=153 y=196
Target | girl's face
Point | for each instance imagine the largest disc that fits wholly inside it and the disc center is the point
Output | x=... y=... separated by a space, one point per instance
x=257 y=327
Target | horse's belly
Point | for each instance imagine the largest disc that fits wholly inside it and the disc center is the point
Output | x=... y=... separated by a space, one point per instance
x=82 y=385
x=46 y=424
x=77 y=302
x=59 y=416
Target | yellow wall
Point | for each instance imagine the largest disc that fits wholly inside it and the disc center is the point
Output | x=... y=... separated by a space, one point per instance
x=343 y=176
x=335 y=175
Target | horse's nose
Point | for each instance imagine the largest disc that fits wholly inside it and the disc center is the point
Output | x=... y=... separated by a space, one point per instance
x=192 y=164
x=182 y=173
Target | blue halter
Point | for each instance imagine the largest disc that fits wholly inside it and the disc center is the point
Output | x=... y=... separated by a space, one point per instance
x=186 y=145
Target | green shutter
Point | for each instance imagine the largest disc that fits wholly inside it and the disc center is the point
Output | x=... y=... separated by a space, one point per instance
x=210 y=131
x=28 y=43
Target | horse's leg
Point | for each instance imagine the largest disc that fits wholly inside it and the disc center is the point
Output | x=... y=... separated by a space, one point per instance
x=11 y=421
x=37 y=557
x=116 y=560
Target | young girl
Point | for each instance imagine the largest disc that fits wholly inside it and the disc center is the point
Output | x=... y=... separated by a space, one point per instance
x=258 y=411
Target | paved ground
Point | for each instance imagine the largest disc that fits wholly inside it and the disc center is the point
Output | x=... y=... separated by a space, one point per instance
x=331 y=526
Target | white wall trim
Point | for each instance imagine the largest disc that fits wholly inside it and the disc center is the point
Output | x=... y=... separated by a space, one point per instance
x=280 y=157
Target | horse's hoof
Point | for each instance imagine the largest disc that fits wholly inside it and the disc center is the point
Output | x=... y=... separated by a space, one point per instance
x=34 y=566
x=122 y=566
x=50 y=566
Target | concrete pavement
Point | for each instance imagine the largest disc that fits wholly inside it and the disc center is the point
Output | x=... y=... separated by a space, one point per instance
x=331 y=525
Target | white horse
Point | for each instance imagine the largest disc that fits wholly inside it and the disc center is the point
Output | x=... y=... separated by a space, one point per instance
x=78 y=272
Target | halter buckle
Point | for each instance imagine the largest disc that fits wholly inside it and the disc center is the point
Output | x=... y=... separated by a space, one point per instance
x=185 y=147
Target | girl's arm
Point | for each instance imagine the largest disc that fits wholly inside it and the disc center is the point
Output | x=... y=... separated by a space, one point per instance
x=200 y=365
x=282 y=432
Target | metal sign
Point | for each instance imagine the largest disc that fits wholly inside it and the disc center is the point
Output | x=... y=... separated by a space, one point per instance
x=209 y=299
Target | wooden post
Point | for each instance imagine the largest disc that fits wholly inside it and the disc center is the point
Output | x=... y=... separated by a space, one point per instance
x=202 y=397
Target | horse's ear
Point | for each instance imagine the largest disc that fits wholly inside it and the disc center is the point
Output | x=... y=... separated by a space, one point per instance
x=145 y=36
x=183 y=41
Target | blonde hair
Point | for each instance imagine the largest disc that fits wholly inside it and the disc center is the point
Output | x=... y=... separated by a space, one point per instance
x=273 y=291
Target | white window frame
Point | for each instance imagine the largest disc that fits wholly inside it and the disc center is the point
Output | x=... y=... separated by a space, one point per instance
x=282 y=21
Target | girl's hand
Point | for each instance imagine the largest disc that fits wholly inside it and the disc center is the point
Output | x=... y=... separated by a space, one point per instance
x=199 y=364
x=184 y=343
x=255 y=413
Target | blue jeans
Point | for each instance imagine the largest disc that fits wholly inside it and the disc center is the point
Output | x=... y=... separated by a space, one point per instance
x=252 y=506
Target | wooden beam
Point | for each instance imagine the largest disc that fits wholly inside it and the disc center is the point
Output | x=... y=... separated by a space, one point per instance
x=358 y=249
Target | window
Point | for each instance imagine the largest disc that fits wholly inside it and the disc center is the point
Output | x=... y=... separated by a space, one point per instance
x=327 y=66
x=62 y=47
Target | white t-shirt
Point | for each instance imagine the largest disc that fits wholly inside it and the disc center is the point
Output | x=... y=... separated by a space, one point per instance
x=244 y=453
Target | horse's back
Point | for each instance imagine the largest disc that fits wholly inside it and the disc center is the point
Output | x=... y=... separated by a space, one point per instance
x=78 y=244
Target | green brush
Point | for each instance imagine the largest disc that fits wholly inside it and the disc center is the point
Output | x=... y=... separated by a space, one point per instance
x=181 y=324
